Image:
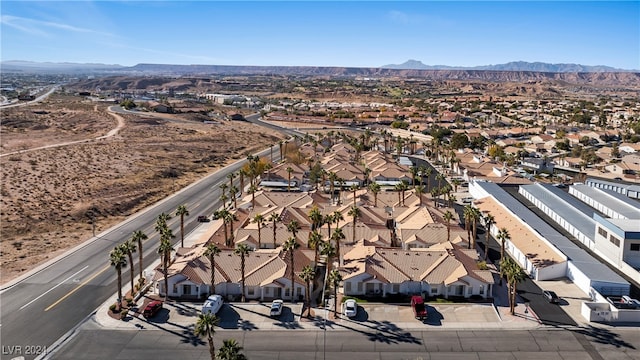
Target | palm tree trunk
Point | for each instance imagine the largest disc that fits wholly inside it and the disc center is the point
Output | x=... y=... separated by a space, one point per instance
x=133 y=290
x=308 y=299
x=182 y=230
x=140 y=260
x=166 y=278
x=274 y=234
x=293 y=286
x=212 y=347
x=119 y=288
x=242 y=269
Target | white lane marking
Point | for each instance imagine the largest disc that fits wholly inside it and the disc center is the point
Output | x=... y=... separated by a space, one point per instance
x=48 y=291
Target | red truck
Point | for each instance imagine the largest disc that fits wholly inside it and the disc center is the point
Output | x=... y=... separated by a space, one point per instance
x=419 y=309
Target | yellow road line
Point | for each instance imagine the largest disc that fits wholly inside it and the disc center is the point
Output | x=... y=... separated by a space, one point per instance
x=77 y=288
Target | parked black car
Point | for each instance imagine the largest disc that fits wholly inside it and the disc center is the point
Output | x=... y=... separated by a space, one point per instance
x=551 y=296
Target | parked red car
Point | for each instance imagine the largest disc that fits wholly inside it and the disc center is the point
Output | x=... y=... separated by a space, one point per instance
x=152 y=308
x=419 y=309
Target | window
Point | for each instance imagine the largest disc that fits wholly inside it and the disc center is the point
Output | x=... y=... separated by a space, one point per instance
x=395 y=288
x=186 y=289
x=635 y=247
x=602 y=232
x=481 y=289
x=614 y=240
x=359 y=287
x=347 y=286
x=434 y=290
x=250 y=291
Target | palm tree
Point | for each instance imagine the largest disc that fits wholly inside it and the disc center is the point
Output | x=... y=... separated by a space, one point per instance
x=329 y=252
x=118 y=260
x=161 y=222
x=211 y=252
x=332 y=184
x=475 y=217
x=503 y=235
x=242 y=173
x=138 y=236
x=231 y=176
x=315 y=241
x=337 y=236
x=233 y=190
x=274 y=218
x=428 y=172
x=375 y=189
x=334 y=279
x=307 y=275
x=205 y=327
x=328 y=219
x=230 y=350
x=440 y=178
x=252 y=190
x=489 y=220
x=289 y=171
x=434 y=195
x=259 y=220
x=455 y=183
x=514 y=274
x=165 y=250
x=182 y=212
x=355 y=213
x=224 y=197
x=337 y=217
x=419 y=191
x=128 y=248
x=452 y=199
x=448 y=216
x=230 y=217
x=243 y=251
x=290 y=247
x=354 y=188
x=316 y=218
x=293 y=227
x=468 y=216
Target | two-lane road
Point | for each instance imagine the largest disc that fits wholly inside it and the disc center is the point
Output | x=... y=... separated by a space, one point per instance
x=39 y=309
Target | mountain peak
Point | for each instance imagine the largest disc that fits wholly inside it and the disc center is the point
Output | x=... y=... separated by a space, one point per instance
x=510 y=66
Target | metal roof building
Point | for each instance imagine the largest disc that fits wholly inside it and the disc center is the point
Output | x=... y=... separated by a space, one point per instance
x=629 y=190
x=582 y=268
x=569 y=212
x=608 y=202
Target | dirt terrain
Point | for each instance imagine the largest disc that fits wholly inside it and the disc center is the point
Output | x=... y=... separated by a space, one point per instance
x=49 y=195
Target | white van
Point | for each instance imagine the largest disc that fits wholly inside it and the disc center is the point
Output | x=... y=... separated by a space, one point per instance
x=212 y=305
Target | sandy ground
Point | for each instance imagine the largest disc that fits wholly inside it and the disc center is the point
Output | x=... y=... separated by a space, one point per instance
x=48 y=195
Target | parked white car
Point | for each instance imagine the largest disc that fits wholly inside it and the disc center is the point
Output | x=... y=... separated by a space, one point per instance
x=350 y=308
x=212 y=305
x=276 y=308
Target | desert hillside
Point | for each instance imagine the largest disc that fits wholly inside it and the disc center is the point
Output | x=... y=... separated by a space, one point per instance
x=49 y=194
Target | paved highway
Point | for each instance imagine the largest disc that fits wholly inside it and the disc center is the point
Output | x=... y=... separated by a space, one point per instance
x=37 y=309
x=545 y=344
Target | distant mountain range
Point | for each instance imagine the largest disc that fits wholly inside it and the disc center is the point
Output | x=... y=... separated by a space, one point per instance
x=510 y=66
x=30 y=66
x=510 y=72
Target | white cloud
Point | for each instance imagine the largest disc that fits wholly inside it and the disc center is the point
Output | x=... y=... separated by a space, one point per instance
x=38 y=27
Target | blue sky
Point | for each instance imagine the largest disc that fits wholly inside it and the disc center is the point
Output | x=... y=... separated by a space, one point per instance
x=309 y=33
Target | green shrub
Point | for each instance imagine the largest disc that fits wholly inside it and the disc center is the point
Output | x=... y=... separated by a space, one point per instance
x=112 y=307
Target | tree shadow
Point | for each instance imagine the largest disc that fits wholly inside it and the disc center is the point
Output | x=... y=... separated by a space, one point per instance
x=603 y=336
x=287 y=319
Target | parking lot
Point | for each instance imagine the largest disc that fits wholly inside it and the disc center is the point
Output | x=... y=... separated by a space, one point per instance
x=255 y=316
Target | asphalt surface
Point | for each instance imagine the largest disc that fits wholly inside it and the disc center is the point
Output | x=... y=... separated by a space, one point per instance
x=37 y=310
x=580 y=344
